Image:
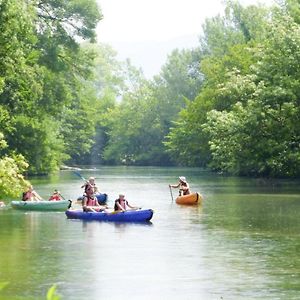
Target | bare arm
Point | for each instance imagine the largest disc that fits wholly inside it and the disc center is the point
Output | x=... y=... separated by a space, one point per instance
x=174 y=185
x=120 y=207
x=84 y=202
x=130 y=206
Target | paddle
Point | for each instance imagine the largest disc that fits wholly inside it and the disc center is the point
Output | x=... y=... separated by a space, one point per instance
x=70 y=204
x=79 y=175
x=171 y=193
x=62 y=196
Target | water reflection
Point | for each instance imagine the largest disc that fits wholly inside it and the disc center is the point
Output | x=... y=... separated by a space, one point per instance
x=242 y=243
x=90 y=226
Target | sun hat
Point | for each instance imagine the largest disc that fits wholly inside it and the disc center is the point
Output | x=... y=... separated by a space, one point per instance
x=182 y=178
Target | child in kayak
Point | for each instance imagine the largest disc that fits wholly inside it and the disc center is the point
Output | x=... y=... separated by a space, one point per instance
x=90 y=202
x=31 y=195
x=184 y=188
x=121 y=204
x=90 y=183
x=56 y=196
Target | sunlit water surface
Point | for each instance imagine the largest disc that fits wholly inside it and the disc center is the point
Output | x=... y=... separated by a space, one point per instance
x=242 y=243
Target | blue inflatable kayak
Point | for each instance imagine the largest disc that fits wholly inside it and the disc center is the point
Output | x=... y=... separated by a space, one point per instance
x=143 y=215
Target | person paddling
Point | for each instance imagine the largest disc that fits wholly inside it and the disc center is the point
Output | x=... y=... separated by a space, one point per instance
x=90 y=183
x=184 y=188
x=31 y=195
x=56 y=196
x=90 y=202
x=121 y=204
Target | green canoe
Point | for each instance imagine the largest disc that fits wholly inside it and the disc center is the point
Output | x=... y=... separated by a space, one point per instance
x=41 y=205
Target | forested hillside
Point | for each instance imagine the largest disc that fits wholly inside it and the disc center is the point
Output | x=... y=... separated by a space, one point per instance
x=231 y=104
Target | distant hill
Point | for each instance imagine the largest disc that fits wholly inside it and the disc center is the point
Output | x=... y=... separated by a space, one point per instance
x=151 y=55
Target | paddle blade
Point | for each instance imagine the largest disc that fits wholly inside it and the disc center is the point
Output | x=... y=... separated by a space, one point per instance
x=70 y=204
x=79 y=175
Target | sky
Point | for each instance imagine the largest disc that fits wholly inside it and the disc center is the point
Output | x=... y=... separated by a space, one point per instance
x=146 y=31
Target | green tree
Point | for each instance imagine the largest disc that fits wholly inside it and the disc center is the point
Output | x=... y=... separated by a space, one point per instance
x=12 y=182
x=261 y=135
x=228 y=47
x=138 y=124
x=42 y=78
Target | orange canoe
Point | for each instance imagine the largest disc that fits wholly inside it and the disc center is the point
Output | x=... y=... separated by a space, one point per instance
x=191 y=199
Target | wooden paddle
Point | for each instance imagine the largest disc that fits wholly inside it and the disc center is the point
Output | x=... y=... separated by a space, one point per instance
x=171 y=193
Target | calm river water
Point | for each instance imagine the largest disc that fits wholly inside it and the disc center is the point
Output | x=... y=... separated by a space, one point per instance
x=242 y=243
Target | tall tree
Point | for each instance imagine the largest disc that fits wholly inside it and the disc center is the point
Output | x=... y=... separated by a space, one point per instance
x=227 y=47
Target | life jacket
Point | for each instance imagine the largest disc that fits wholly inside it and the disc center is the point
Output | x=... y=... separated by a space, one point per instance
x=54 y=198
x=91 y=201
x=125 y=202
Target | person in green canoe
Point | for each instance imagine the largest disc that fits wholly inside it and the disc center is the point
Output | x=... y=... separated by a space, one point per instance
x=184 y=187
x=31 y=195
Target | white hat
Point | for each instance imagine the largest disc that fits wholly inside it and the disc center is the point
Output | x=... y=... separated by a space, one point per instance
x=182 y=178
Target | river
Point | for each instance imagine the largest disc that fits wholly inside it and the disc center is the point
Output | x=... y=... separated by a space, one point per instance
x=242 y=243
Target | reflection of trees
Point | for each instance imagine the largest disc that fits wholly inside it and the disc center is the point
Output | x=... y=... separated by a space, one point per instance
x=257 y=212
x=26 y=245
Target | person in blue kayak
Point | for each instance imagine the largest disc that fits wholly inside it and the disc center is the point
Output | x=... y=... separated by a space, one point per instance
x=121 y=204
x=91 y=183
x=184 y=187
x=90 y=202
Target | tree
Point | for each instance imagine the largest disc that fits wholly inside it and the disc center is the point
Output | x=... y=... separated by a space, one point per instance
x=261 y=135
x=42 y=78
x=227 y=51
x=138 y=125
x=12 y=182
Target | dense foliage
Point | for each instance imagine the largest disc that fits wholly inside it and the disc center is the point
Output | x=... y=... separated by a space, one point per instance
x=42 y=78
x=231 y=104
x=246 y=118
x=11 y=168
x=139 y=124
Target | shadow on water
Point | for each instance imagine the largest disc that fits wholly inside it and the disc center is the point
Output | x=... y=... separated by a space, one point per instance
x=93 y=225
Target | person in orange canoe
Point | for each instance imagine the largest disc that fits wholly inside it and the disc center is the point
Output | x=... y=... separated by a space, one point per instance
x=184 y=188
x=121 y=204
